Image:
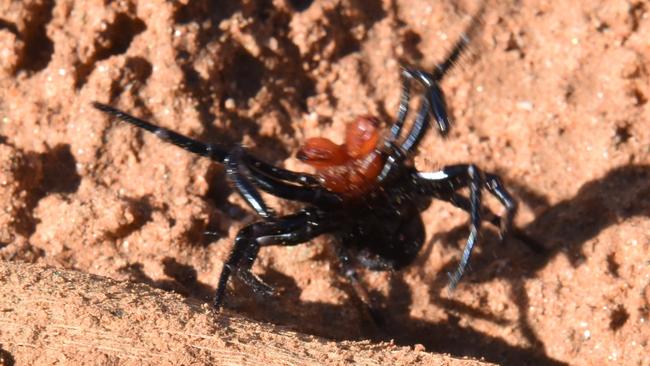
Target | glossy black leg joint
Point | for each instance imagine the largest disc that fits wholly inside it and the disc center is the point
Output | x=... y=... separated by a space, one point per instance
x=349 y=271
x=287 y=230
x=443 y=184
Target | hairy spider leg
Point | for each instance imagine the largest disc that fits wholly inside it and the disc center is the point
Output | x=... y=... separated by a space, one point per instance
x=460 y=46
x=286 y=230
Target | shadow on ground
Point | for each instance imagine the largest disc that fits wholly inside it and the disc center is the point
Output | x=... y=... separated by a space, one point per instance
x=563 y=229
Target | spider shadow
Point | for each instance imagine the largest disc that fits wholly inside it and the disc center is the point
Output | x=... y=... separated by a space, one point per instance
x=563 y=228
x=344 y=320
x=450 y=336
x=183 y=279
x=348 y=320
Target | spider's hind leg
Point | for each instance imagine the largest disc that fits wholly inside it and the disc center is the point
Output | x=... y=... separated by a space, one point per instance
x=350 y=272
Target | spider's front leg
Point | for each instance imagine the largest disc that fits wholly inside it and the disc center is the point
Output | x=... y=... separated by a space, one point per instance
x=287 y=230
x=238 y=173
x=443 y=184
x=433 y=100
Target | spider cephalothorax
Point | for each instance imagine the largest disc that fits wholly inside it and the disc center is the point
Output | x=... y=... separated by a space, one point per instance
x=365 y=192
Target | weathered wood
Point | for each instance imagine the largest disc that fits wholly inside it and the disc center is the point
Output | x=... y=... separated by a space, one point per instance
x=49 y=315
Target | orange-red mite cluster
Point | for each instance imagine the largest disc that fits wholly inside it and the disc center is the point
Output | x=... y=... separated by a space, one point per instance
x=350 y=168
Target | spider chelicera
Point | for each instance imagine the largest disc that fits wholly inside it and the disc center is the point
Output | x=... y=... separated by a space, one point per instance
x=366 y=192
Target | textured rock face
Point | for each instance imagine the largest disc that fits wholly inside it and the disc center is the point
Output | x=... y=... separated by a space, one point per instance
x=553 y=97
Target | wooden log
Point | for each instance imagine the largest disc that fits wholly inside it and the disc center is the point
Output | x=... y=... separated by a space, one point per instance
x=54 y=316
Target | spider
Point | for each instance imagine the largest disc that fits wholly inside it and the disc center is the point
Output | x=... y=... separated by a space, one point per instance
x=365 y=192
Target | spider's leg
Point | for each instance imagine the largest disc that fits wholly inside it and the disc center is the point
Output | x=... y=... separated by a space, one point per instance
x=433 y=95
x=495 y=187
x=403 y=110
x=444 y=183
x=464 y=204
x=315 y=195
x=474 y=183
x=432 y=104
x=287 y=230
x=433 y=100
x=280 y=174
x=460 y=46
x=418 y=130
x=239 y=174
x=489 y=216
x=302 y=187
x=349 y=271
x=213 y=152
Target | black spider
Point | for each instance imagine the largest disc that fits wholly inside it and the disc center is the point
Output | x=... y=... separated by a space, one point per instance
x=366 y=193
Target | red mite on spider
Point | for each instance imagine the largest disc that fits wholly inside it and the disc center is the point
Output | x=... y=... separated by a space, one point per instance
x=366 y=193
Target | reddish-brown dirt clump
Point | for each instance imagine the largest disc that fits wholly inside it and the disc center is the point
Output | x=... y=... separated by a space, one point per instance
x=553 y=97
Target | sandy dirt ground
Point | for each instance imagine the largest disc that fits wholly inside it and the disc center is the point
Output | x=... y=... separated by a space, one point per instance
x=551 y=96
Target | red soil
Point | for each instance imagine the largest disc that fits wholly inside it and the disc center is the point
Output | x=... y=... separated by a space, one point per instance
x=553 y=97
